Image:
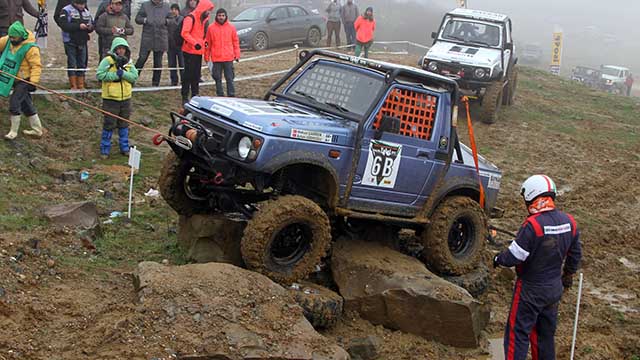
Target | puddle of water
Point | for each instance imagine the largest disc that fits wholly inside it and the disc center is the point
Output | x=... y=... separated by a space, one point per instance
x=616 y=300
x=629 y=264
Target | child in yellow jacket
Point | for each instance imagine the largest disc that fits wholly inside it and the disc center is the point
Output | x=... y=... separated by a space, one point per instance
x=117 y=74
x=21 y=58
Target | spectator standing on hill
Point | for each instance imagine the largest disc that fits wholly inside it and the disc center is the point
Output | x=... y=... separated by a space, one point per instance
x=11 y=11
x=102 y=8
x=117 y=74
x=629 y=83
x=349 y=14
x=333 y=22
x=365 y=26
x=546 y=254
x=193 y=33
x=223 y=48
x=76 y=23
x=176 y=58
x=154 y=17
x=111 y=24
x=21 y=58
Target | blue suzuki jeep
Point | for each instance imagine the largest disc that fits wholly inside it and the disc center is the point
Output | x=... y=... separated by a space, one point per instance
x=339 y=144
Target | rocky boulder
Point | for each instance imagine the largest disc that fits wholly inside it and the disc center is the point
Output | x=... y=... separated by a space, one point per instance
x=398 y=292
x=208 y=238
x=79 y=214
x=221 y=309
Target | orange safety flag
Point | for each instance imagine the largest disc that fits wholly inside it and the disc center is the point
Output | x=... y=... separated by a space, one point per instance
x=474 y=149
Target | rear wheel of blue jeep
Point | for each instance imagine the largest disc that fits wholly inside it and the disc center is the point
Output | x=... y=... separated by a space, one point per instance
x=286 y=238
x=454 y=240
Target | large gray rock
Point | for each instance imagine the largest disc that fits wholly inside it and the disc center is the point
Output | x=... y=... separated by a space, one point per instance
x=208 y=238
x=79 y=214
x=398 y=292
x=223 y=309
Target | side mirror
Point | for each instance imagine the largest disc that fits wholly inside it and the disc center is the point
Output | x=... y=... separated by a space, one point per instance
x=509 y=46
x=388 y=124
x=434 y=35
x=270 y=19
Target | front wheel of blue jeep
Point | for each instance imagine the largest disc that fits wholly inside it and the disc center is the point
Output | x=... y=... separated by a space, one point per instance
x=286 y=238
x=455 y=238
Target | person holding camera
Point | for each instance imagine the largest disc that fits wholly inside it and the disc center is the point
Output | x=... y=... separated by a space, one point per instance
x=21 y=58
x=76 y=23
x=117 y=74
x=111 y=24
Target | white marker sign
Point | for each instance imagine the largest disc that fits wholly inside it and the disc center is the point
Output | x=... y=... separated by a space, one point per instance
x=134 y=162
x=382 y=164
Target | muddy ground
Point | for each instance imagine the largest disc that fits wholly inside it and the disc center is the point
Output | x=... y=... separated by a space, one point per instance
x=62 y=299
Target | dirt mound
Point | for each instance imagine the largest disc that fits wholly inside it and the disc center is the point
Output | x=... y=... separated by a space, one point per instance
x=219 y=308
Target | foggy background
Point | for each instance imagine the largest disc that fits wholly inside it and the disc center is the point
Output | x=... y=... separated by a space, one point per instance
x=595 y=32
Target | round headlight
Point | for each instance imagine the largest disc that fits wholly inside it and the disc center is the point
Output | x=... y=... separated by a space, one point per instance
x=433 y=66
x=244 y=146
x=479 y=73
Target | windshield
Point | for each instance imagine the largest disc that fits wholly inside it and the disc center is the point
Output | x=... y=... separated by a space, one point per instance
x=611 y=72
x=584 y=71
x=472 y=32
x=252 y=14
x=343 y=88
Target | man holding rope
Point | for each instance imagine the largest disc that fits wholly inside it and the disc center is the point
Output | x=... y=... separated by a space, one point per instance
x=20 y=57
x=547 y=237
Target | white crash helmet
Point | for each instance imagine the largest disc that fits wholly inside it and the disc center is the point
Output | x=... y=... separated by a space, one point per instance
x=537 y=185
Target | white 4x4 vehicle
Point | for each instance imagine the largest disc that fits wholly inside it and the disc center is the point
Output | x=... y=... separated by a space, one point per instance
x=615 y=79
x=476 y=48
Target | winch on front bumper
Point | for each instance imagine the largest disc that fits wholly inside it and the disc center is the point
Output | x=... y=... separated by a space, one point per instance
x=216 y=173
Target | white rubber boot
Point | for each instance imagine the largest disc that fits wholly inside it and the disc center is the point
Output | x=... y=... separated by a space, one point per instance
x=15 y=126
x=36 y=126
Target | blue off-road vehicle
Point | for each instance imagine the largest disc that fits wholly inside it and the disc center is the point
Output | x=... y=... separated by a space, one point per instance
x=338 y=144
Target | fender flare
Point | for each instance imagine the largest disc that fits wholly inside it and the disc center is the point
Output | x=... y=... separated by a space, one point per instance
x=455 y=185
x=305 y=158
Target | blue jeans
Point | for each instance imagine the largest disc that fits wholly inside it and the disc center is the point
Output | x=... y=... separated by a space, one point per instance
x=176 y=59
x=216 y=73
x=76 y=58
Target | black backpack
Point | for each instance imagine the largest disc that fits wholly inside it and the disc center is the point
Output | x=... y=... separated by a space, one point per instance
x=178 y=32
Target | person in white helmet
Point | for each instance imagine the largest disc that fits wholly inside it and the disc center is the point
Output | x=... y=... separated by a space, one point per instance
x=546 y=253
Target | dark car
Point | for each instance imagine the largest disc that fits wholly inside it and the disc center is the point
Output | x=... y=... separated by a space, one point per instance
x=261 y=27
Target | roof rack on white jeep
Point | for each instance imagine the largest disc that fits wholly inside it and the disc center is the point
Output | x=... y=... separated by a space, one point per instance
x=479 y=15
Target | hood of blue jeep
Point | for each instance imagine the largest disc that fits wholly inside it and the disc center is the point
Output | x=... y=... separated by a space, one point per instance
x=280 y=119
x=483 y=164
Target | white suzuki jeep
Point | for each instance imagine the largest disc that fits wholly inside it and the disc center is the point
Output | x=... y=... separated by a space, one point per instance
x=476 y=48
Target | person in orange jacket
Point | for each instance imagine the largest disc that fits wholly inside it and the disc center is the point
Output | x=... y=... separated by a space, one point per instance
x=222 y=49
x=365 y=26
x=193 y=32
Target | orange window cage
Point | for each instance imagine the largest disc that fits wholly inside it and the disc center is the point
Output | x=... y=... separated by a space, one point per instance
x=416 y=111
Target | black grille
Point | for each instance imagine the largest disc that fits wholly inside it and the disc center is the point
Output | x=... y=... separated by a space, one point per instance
x=217 y=138
x=455 y=69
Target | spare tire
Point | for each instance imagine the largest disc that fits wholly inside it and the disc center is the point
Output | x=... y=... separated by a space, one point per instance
x=454 y=240
x=286 y=238
x=173 y=185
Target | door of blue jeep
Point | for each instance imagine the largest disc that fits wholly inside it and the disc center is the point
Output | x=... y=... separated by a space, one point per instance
x=394 y=169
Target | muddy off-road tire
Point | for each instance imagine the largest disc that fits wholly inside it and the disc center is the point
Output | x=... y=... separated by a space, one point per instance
x=172 y=186
x=475 y=282
x=491 y=103
x=321 y=306
x=454 y=240
x=509 y=93
x=286 y=238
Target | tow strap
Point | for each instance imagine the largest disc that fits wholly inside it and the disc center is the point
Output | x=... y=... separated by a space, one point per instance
x=474 y=149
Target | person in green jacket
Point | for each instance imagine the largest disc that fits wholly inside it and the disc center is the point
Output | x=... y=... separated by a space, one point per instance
x=117 y=74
